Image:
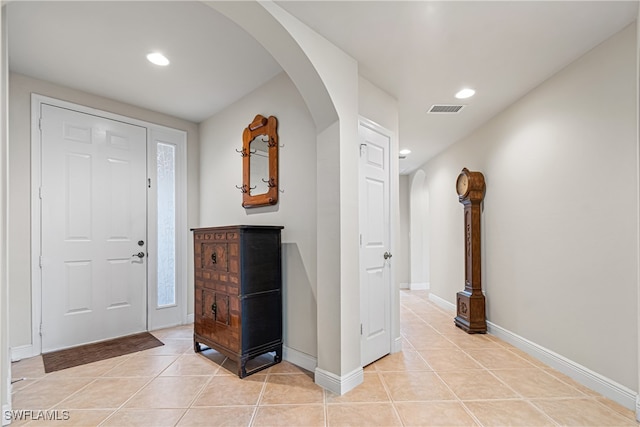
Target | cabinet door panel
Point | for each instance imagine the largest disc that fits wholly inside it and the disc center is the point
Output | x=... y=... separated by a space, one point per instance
x=208 y=298
x=220 y=319
x=214 y=256
x=221 y=308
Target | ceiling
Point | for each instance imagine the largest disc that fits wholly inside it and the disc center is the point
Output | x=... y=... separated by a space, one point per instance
x=420 y=52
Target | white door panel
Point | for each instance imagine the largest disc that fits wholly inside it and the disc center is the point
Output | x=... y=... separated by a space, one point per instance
x=375 y=278
x=93 y=215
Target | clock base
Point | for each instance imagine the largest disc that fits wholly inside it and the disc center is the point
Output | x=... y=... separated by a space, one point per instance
x=470 y=316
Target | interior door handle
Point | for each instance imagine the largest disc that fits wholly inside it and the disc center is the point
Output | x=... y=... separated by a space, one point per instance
x=387 y=255
x=139 y=255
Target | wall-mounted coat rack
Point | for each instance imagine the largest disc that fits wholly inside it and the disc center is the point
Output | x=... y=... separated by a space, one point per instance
x=260 y=162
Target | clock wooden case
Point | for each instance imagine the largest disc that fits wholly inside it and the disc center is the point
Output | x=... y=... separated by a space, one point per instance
x=470 y=303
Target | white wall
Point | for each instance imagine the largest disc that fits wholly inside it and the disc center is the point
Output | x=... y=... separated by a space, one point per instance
x=637 y=408
x=220 y=201
x=5 y=359
x=20 y=88
x=419 y=231
x=560 y=229
x=378 y=106
x=327 y=79
x=403 y=260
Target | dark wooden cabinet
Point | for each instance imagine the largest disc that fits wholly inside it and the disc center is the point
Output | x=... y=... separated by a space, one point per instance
x=238 y=292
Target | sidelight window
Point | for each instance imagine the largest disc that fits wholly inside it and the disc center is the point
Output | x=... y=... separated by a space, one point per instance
x=166 y=182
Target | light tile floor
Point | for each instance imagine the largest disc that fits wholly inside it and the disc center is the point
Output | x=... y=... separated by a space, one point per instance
x=443 y=377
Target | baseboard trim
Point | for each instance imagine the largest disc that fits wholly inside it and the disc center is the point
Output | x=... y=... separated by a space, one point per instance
x=190 y=318
x=404 y=286
x=585 y=376
x=6 y=409
x=22 y=352
x=599 y=383
x=396 y=345
x=299 y=358
x=339 y=384
x=442 y=303
x=419 y=286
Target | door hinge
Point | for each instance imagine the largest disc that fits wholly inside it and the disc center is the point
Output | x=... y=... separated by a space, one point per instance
x=40 y=192
x=40 y=332
x=148 y=182
x=40 y=123
x=40 y=261
x=363 y=147
x=360 y=328
x=361 y=240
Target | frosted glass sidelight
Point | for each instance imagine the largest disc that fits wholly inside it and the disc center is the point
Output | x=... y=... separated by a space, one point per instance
x=166 y=164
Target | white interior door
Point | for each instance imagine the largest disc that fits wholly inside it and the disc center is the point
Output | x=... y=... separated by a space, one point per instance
x=375 y=257
x=93 y=225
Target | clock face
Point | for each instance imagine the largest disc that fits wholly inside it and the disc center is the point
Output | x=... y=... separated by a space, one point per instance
x=462 y=185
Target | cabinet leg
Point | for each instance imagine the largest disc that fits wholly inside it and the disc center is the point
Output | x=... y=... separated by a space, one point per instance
x=242 y=368
x=196 y=346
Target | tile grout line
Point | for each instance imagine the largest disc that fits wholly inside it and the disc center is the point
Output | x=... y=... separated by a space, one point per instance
x=50 y=376
x=151 y=379
x=463 y=350
x=258 y=402
x=134 y=394
x=393 y=403
x=417 y=321
x=204 y=387
x=485 y=368
x=325 y=407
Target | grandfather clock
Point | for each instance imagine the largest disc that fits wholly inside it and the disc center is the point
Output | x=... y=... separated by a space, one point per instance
x=470 y=302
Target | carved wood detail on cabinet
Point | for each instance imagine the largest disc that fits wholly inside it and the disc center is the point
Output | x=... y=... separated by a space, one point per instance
x=238 y=292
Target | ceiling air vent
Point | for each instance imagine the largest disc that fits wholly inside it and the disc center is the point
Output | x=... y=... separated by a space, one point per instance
x=450 y=109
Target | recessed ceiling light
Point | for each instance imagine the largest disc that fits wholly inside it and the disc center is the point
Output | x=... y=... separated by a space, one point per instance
x=158 y=59
x=403 y=153
x=465 y=93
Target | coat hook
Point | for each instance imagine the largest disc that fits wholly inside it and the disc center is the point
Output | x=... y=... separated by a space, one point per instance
x=272 y=143
x=242 y=152
x=244 y=189
x=270 y=182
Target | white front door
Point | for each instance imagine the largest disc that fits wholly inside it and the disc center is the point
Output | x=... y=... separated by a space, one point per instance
x=93 y=227
x=375 y=257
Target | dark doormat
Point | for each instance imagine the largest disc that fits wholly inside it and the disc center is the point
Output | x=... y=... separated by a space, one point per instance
x=81 y=355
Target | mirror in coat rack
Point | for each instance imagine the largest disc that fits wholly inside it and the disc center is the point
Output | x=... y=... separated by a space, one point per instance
x=260 y=162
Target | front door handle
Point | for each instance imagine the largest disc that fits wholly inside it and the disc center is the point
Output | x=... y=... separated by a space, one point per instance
x=387 y=255
x=139 y=255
